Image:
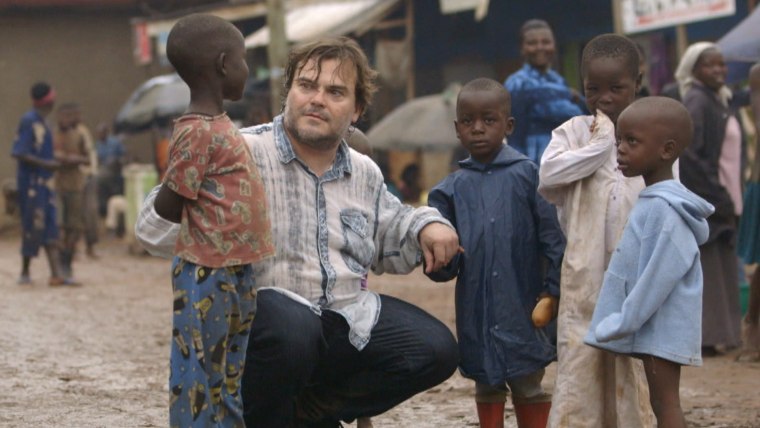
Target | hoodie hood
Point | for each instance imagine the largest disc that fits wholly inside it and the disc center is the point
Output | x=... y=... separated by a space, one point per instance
x=693 y=209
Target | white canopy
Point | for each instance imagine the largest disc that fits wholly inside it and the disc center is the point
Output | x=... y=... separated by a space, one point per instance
x=330 y=18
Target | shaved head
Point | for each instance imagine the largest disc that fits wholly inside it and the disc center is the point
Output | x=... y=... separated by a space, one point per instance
x=668 y=117
x=196 y=41
x=483 y=84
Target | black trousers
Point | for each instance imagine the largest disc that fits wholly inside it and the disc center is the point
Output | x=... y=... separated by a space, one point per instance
x=301 y=370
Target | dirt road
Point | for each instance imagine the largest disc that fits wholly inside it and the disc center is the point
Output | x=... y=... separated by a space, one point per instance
x=97 y=356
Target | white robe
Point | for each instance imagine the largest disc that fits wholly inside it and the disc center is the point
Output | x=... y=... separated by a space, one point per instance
x=579 y=175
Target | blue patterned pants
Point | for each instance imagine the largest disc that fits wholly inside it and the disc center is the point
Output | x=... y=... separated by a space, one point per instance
x=213 y=312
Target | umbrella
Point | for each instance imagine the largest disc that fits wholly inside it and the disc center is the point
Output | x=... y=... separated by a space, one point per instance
x=741 y=47
x=425 y=123
x=157 y=101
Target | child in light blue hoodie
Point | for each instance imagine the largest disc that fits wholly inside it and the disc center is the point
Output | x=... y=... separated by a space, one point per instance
x=650 y=304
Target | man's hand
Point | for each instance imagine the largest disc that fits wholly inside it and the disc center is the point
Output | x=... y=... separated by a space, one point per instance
x=439 y=244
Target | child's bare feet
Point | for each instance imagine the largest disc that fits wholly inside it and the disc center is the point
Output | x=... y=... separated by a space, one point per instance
x=364 y=423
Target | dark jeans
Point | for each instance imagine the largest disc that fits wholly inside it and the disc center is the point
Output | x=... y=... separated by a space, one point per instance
x=302 y=371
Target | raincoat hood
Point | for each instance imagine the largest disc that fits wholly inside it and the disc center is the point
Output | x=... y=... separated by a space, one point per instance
x=693 y=209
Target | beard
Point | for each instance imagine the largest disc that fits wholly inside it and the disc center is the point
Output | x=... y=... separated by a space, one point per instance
x=312 y=138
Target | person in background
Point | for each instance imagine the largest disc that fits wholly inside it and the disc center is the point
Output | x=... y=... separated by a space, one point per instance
x=70 y=149
x=650 y=302
x=643 y=67
x=33 y=150
x=507 y=230
x=111 y=158
x=541 y=100
x=749 y=233
x=579 y=175
x=90 y=189
x=410 y=188
x=711 y=168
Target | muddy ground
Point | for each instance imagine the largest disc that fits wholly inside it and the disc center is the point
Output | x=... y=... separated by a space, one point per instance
x=97 y=355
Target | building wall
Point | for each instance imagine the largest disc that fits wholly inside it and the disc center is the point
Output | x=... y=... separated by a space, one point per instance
x=85 y=56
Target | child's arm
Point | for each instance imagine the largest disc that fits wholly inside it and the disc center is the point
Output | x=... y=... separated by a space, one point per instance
x=552 y=246
x=37 y=161
x=440 y=201
x=169 y=204
x=568 y=158
x=663 y=262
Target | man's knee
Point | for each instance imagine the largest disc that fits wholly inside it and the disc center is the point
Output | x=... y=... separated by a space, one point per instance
x=445 y=351
x=284 y=329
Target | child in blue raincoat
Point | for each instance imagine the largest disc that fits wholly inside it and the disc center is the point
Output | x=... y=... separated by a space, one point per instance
x=506 y=229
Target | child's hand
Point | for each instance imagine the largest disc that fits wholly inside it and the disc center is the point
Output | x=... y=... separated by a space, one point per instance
x=545 y=311
x=602 y=125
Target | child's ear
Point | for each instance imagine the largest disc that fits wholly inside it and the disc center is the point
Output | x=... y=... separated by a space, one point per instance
x=668 y=150
x=220 y=66
x=510 y=126
x=639 y=78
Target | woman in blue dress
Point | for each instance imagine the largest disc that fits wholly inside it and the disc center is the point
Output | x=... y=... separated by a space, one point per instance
x=541 y=100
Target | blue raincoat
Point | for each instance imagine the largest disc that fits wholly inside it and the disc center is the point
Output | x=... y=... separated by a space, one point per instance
x=505 y=227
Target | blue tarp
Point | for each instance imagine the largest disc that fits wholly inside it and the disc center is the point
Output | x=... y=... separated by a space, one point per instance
x=741 y=47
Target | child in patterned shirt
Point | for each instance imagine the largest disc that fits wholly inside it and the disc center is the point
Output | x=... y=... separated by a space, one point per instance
x=214 y=190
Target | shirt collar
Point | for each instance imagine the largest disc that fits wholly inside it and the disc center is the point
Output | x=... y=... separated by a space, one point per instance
x=507 y=155
x=286 y=154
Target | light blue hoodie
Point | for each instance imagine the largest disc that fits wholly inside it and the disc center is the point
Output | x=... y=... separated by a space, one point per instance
x=651 y=299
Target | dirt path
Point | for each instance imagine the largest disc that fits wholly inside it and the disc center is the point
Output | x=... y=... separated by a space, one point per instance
x=97 y=356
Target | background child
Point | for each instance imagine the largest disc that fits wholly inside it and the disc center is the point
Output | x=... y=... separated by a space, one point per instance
x=71 y=151
x=213 y=187
x=505 y=227
x=651 y=299
x=579 y=175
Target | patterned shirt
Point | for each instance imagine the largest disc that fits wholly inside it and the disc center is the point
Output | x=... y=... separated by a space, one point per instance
x=329 y=230
x=224 y=220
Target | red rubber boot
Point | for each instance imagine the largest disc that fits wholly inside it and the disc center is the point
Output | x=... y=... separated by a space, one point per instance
x=491 y=415
x=532 y=415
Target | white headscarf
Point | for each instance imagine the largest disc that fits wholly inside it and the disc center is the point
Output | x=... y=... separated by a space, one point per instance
x=684 y=73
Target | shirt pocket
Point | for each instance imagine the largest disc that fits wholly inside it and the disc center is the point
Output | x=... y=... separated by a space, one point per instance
x=358 y=247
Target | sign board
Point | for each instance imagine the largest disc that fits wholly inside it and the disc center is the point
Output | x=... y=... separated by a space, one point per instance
x=645 y=15
x=141 y=43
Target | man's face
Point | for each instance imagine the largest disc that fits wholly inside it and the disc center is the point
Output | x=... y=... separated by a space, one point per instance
x=321 y=104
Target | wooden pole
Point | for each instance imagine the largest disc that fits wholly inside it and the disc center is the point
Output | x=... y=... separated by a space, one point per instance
x=682 y=40
x=277 y=51
x=617 y=17
x=410 y=75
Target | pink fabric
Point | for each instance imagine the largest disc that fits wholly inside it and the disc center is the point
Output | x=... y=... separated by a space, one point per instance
x=730 y=174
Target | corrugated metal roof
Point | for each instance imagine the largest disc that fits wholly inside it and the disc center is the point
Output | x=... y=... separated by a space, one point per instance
x=329 y=18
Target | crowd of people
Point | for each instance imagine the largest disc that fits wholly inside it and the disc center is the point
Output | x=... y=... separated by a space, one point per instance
x=63 y=183
x=603 y=231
